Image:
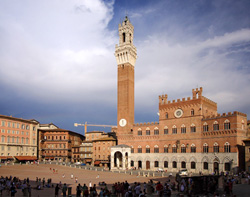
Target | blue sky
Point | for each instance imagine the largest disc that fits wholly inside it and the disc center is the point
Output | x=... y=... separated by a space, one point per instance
x=57 y=59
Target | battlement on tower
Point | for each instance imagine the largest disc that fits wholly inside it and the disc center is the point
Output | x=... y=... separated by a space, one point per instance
x=225 y=115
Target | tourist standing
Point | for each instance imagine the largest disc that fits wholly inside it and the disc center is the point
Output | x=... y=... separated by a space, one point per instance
x=64 y=189
x=57 y=190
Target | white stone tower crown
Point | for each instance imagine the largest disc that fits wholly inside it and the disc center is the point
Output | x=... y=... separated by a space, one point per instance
x=126 y=51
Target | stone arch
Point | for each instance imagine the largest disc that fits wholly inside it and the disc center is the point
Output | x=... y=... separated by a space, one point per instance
x=205 y=159
x=139 y=158
x=183 y=159
x=192 y=159
x=226 y=159
x=173 y=159
x=165 y=159
x=216 y=159
x=147 y=158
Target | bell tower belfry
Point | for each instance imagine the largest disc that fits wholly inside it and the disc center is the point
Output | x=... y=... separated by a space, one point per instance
x=126 y=55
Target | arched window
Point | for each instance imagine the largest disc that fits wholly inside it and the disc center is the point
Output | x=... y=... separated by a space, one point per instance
x=216 y=126
x=205 y=127
x=165 y=130
x=193 y=148
x=183 y=128
x=205 y=165
x=174 y=164
x=226 y=124
x=156 y=131
x=193 y=165
x=166 y=115
x=165 y=164
x=192 y=112
x=123 y=37
x=227 y=147
x=183 y=148
x=193 y=128
x=139 y=131
x=174 y=149
x=205 y=148
x=147 y=131
x=165 y=148
x=139 y=150
x=174 y=130
x=156 y=164
x=132 y=163
x=147 y=149
x=183 y=164
x=156 y=149
x=216 y=147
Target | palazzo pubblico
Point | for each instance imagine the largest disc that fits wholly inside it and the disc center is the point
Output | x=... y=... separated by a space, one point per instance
x=190 y=133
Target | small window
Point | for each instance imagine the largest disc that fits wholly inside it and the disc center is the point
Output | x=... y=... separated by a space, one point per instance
x=183 y=148
x=205 y=127
x=174 y=149
x=174 y=164
x=205 y=148
x=192 y=112
x=123 y=36
x=216 y=126
x=174 y=130
x=193 y=148
x=156 y=164
x=139 y=132
x=166 y=115
x=156 y=149
x=193 y=165
x=183 y=164
x=139 y=150
x=165 y=131
x=156 y=131
x=205 y=165
x=193 y=128
x=165 y=149
x=147 y=132
x=226 y=125
x=216 y=148
x=227 y=148
x=183 y=129
x=165 y=164
x=147 y=149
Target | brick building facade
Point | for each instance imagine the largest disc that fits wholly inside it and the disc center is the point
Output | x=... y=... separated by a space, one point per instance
x=190 y=133
x=59 y=145
x=18 y=139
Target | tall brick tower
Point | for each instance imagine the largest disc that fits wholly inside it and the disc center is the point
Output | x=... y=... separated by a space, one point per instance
x=126 y=55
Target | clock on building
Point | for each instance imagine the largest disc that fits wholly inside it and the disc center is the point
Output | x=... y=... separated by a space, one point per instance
x=178 y=113
x=122 y=122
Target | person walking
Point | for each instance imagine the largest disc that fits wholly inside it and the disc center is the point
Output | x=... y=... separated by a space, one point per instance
x=64 y=189
x=57 y=190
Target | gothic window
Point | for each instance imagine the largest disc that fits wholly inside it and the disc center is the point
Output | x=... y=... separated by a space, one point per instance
x=166 y=115
x=165 y=164
x=192 y=112
x=205 y=165
x=193 y=148
x=147 y=149
x=156 y=164
x=156 y=131
x=216 y=147
x=174 y=164
x=147 y=131
x=165 y=149
x=227 y=166
x=174 y=130
x=193 y=128
x=183 y=164
x=132 y=149
x=139 y=149
x=183 y=148
x=183 y=128
x=216 y=126
x=174 y=149
x=139 y=132
x=205 y=148
x=227 y=147
x=156 y=149
x=165 y=130
x=132 y=163
x=123 y=37
x=205 y=127
x=193 y=165
x=226 y=124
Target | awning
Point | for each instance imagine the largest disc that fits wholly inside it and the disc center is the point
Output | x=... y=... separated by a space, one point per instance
x=49 y=157
x=26 y=158
x=104 y=161
x=88 y=160
x=6 y=157
x=97 y=162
